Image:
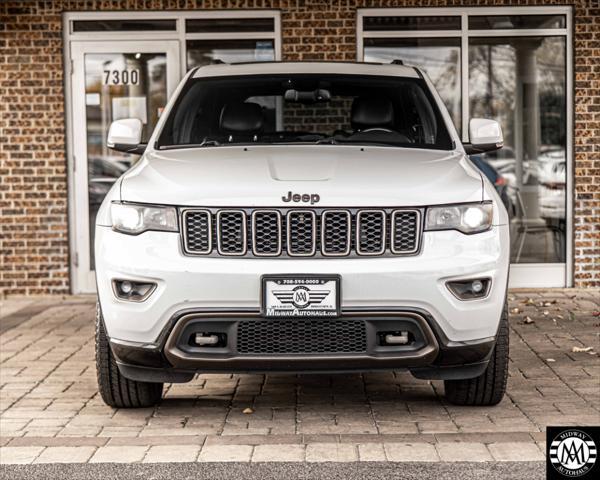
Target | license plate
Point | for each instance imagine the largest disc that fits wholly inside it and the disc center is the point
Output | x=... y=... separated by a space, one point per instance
x=301 y=296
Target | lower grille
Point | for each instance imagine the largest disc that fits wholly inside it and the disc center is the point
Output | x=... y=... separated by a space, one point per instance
x=301 y=336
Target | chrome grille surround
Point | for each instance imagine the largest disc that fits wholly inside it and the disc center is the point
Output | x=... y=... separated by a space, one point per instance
x=301 y=239
x=235 y=242
x=197 y=224
x=301 y=232
x=260 y=231
x=406 y=242
x=370 y=232
x=332 y=234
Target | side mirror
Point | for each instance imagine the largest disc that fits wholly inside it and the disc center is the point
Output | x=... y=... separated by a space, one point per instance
x=485 y=136
x=125 y=135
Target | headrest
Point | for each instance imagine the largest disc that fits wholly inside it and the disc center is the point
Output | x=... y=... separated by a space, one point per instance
x=368 y=112
x=241 y=118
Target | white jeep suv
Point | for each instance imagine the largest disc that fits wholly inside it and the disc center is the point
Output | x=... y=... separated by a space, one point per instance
x=302 y=217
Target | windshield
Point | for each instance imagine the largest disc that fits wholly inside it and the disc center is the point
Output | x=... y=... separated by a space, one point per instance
x=304 y=109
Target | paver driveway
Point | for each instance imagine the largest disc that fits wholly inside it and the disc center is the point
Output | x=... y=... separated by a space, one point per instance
x=51 y=411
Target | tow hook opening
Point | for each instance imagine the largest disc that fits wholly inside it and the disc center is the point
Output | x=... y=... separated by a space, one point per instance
x=208 y=339
x=396 y=338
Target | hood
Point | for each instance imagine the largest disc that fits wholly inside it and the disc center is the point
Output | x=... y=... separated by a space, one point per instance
x=349 y=176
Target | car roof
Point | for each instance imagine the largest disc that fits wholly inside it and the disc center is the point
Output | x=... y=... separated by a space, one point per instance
x=283 y=68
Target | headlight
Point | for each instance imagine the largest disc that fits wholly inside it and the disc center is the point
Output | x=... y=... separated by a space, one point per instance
x=135 y=219
x=466 y=218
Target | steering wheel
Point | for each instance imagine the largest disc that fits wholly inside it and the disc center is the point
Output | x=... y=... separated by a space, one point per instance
x=378 y=129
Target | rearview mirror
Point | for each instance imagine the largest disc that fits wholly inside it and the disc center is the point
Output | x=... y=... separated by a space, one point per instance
x=319 y=95
x=485 y=136
x=125 y=135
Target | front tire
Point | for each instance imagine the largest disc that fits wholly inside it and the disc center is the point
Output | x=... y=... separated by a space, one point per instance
x=490 y=386
x=116 y=390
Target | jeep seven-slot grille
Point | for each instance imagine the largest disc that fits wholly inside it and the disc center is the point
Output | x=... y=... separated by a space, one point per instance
x=301 y=232
x=264 y=232
x=306 y=335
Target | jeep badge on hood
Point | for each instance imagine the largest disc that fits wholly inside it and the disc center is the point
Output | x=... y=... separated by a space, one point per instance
x=305 y=197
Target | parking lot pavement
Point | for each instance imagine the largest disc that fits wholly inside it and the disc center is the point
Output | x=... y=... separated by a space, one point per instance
x=276 y=471
x=50 y=410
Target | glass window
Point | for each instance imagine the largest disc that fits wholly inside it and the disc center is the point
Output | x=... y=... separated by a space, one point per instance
x=439 y=57
x=315 y=109
x=205 y=52
x=236 y=25
x=123 y=25
x=520 y=81
x=500 y=22
x=406 y=23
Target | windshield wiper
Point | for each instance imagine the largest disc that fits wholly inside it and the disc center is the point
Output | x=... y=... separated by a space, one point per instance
x=338 y=141
x=205 y=143
x=327 y=141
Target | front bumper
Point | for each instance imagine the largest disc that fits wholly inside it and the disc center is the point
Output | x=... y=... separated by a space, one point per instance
x=416 y=283
x=176 y=359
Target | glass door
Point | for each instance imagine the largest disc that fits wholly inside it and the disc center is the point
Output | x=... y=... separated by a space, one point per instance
x=111 y=80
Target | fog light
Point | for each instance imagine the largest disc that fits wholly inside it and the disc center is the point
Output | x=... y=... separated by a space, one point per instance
x=133 y=291
x=477 y=286
x=126 y=287
x=470 y=289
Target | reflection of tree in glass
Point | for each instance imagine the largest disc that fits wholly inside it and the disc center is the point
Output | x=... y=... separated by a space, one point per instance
x=493 y=83
x=447 y=83
x=439 y=58
x=551 y=80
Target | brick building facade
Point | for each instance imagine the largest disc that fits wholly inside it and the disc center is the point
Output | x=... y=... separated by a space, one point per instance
x=34 y=200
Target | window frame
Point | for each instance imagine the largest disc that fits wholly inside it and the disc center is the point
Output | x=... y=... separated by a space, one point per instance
x=522 y=275
x=180 y=33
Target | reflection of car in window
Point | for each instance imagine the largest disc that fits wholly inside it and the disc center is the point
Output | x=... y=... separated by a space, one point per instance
x=552 y=190
x=102 y=173
x=314 y=217
x=552 y=200
x=505 y=162
x=105 y=167
x=497 y=180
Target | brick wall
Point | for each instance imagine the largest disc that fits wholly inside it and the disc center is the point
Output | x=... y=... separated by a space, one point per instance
x=34 y=253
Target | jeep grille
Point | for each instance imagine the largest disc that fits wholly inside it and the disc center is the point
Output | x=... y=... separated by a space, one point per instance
x=323 y=232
